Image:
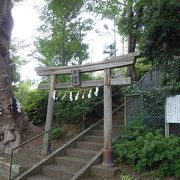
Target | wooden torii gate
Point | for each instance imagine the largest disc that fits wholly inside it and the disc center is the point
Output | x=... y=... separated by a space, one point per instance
x=76 y=71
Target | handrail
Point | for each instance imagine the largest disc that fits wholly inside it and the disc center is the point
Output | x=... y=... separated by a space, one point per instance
x=26 y=142
x=59 y=124
x=144 y=76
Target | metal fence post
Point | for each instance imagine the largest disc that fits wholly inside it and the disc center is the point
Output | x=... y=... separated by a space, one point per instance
x=10 y=166
x=83 y=119
x=166 y=129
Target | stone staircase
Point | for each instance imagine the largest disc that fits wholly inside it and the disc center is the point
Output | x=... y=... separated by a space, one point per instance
x=74 y=159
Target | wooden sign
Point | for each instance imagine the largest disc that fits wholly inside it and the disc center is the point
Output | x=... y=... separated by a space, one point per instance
x=173 y=109
x=76 y=81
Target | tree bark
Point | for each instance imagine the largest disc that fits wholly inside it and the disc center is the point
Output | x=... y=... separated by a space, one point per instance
x=11 y=121
x=63 y=52
x=131 y=70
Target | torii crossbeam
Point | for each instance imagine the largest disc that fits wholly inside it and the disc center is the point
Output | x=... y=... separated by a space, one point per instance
x=76 y=71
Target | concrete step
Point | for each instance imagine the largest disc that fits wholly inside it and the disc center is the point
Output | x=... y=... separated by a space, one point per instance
x=114 y=127
x=75 y=163
x=101 y=132
x=4 y=169
x=92 y=138
x=84 y=149
x=89 y=145
x=98 y=132
x=119 y=113
x=3 y=177
x=41 y=177
x=101 y=171
x=57 y=171
x=114 y=105
x=81 y=153
x=118 y=122
x=120 y=118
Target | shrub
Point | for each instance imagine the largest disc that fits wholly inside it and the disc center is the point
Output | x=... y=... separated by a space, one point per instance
x=66 y=109
x=35 y=104
x=56 y=133
x=150 y=150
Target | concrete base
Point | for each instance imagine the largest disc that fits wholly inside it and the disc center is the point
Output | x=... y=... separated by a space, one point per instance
x=108 y=159
x=102 y=171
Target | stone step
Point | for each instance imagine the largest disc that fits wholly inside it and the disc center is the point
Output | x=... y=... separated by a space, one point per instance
x=3 y=177
x=89 y=145
x=114 y=105
x=101 y=171
x=101 y=132
x=98 y=132
x=91 y=138
x=57 y=171
x=119 y=113
x=120 y=118
x=118 y=122
x=65 y=167
x=72 y=162
x=81 y=153
x=41 y=177
x=4 y=169
x=114 y=127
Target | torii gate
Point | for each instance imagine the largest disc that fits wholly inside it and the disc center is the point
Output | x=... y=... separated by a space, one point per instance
x=106 y=65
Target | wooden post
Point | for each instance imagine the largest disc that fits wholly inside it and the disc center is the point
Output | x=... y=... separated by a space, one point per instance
x=49 y=115
x=107 y=155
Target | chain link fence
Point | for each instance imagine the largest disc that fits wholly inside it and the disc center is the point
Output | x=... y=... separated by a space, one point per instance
x=149 y=111
x=146 y=103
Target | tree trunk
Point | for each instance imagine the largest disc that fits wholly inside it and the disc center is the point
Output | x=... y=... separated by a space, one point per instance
x=63 y=53
x=131 y=70
x=12 y=121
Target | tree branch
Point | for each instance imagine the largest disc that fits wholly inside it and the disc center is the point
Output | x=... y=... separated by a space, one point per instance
x=122 y=3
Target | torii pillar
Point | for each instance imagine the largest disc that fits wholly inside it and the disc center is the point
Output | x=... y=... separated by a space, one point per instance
x=107 y=154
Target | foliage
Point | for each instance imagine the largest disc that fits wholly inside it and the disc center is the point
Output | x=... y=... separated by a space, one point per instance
x=142 y=67
x=35 y=104
x=145 y=148
x=66 y=109
x=151 y=105
x=16 y=60
x=56 y=133
x=22 y=89
x=162 y=92
x=65 y=29
x=160 y=21
x=148 y=151
x=160 y=36
x=155 y=25
x=110 y=50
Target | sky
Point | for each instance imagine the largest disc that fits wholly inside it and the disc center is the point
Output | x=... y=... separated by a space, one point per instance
x=26 y=21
